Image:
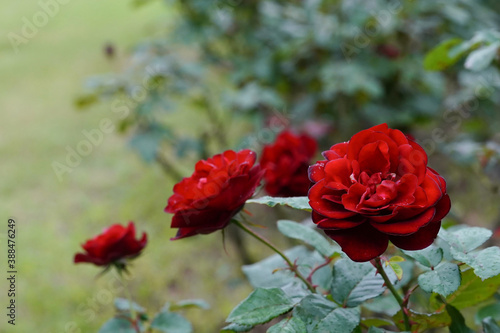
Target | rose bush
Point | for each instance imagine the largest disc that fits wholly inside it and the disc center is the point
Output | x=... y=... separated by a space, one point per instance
x=286 y=162
x=375 y=188
x=112 y=246
x=215 y=192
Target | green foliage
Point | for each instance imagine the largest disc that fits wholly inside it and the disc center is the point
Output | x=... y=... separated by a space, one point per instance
x=473 y=290
x=457 y=321
x=353 y=283
x=338 y=321
x=439 y=58
x=301 y=203
x=490 y=326
x=462 y=242
x=333 y=61
x=261 y=306
x=491 y=310
x=236 y=328
x=308 y=235
x=288 y=325
x=421 y=322
x=429 y=257
x=272 y=272
x=118 y=325
x=444 y=280
x=170 y=322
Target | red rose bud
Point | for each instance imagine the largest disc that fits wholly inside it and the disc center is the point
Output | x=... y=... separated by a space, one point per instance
x=114 y=245
x=286 y=162
x=215 y=192
x=377 y=188
x=388 y=51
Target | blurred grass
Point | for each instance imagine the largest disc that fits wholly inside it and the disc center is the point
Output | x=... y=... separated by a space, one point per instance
x=38 y=86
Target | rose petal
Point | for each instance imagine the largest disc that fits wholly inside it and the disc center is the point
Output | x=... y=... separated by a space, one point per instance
x=419 y=240
x=406 y=227
x=442 y=208
x=361 y=243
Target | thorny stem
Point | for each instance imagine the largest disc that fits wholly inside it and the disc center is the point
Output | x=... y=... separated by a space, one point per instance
x=315 y=269
x=378 y=265
x=262 y=239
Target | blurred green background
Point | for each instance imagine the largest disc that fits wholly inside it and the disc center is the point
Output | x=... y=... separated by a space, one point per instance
x=111 y=185
x=292 y=74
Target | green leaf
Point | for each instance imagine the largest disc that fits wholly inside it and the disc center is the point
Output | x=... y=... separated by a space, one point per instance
x=486 y=263
x=301 y=203
x=264 y=274
x=472 y=290
x=339 y=320
x=397 y=270
x=376 y=322
x=353 y=283
x=170 y=322
x=261 y=306
x=289 y=325
x=386 y=304
x=444 y=280
x=490 y=326
x=375 y=330
x=438 y=58
x=312 y=309
x=429 y=257
x=308 y=235
x=482 y=57
x=457 y=321
x=190 y=303
x=465 y=239
x=379 y=330
x=123 y=305
x=117 y=325
x=421 y=322
x=236 y=328
x=491 y=310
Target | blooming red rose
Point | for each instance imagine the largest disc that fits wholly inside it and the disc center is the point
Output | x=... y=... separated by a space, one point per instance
x=115 y=244
x=375 y=188
x=215 y=192
x=286 y=162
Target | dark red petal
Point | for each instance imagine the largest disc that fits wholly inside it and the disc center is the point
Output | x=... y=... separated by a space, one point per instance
x=374 y=157
x=185 y=232
x=408 y=226
x=206 y=218
x=326 y=223
x=336 y=151
x=442 y=208
x=419 y=240
x=397 y=136
x=339 y=171
x=317 y=171
x=406 y=188
x=430 y=185
x=317 y=196
x=353 y=197
x=361 y=243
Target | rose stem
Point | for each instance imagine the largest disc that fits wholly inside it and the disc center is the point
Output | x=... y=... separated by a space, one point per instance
x=263 y=240
x=133 y=315
x=388 y=283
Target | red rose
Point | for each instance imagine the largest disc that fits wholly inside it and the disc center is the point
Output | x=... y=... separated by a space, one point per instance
x=113 y=245
x=286 y=162
x=388 y=51
x=375 y=188
x=215 y=192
